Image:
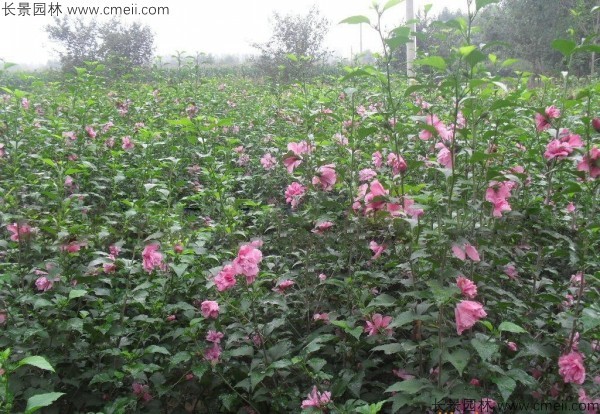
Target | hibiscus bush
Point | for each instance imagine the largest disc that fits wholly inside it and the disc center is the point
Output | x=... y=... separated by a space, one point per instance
x=358 y=244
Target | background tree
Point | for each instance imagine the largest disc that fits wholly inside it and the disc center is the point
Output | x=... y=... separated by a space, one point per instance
x=117 y=45
x=299 y=35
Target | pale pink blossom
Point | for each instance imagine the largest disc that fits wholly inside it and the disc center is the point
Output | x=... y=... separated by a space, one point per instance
x=322 y=226
x=20 y=232
x=397 y=163
x=300 y=148
x=512 y=346
x=225 y=279
x=283 y=286
x=152 y=258
x=542 y=121
x=467 y=313
x=322 y=277
x=212 y=354
x=247 y=260
x=209 y=309
x=127 y=143
x=467 y=287
x=591 y=163
x=511 y=271
x=43 y=284
x=366 y=175
x=340 y=139
x=321 y=317
x=268 y=161
x=464 y=251
x=91 y=132
x=377 y=249
x=444 y=157
x=141 y=391
x=291 y=162
x=316 y=399
x=294 y=193
x=325 y=178
x=498 y=194
x=571 y=368
x=214 y=336
x=377 y=159
x=577 y=279
x=379 y=324
x=73 y=247
x=107 y=126
x=70 y=135
x=109 y=268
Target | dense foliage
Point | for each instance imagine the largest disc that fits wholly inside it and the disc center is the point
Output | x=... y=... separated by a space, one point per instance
x=350 y=245
x=118 y=45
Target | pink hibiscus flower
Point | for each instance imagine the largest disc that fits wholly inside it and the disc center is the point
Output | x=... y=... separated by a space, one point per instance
x=294 y=194
x=325 y=178
x=571 y=368
x=152 y=258
x=209 y=309
x=316 y=399
x=379 y=324
x=467 y=313
x=467 y=287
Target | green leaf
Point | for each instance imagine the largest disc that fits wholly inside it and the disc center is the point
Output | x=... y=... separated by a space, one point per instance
x=390 y=4
x=485 y=348
x=590 y=318
x=180 y=357
x=155 y=349
x=564 y=46
x=383 y=300
x=397 y=41
x=388 y=349
x=437 y=62
x=370 y=409
x=506 y=386
x=200 y=370
x=356 y=20
x=317 y=364
x=179 y=269
x=441 y=294
x=411 y=386
x=459 y=359
x=589 y=48
x=76 y=293
x=479 y=4
x=465 y=50
x=475 y=57
x=510 y=327
x=36 y=361
x=245 y=350
x=509 y=62
x=42 y=400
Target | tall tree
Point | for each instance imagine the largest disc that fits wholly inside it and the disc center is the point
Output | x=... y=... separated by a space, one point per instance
x=117 y=45
x=299 y=35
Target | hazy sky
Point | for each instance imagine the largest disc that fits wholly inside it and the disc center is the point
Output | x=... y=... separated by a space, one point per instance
x=209 y=26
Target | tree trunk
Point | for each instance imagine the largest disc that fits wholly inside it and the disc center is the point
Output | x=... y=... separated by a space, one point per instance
x=411 y=47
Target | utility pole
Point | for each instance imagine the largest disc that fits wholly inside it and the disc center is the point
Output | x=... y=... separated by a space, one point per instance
x=411 y=47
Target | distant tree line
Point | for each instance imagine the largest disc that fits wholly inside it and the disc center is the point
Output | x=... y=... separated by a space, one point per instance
x=117 y=45
x=522 y=29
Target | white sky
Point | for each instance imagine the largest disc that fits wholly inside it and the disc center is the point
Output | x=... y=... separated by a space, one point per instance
x=209 y=26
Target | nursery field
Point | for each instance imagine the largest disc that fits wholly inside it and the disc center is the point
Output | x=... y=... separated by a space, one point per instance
x=172 y=243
